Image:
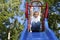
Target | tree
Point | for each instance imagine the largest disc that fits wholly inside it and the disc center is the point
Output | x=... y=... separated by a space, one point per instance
x=7 y=9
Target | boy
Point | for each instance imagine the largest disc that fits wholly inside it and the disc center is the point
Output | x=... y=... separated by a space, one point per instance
x=35 y=20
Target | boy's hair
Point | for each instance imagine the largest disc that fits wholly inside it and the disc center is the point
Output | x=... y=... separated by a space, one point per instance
x=35 y=12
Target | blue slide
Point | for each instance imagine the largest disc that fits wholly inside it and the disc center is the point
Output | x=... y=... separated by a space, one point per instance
x=48 y=34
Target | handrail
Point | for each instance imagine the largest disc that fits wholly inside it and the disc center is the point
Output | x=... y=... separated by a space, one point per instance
x=36 y=1
x=26 y=11
x=46 y=11
x=43 y=27
x=35 y=6
x=45 y=14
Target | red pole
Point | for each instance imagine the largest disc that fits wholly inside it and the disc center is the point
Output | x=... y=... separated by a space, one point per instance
x=43 y=28
x=26 y=15
x=46 y=11
x=26 y=12
x=45 y=15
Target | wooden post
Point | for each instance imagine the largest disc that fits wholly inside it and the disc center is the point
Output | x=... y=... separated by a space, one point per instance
x=9 y=35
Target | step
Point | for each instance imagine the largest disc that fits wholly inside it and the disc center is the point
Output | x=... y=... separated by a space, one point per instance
x=37 y=36
x=37 y=39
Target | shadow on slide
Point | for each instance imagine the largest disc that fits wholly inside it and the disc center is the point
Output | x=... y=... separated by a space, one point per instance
x=48 y=34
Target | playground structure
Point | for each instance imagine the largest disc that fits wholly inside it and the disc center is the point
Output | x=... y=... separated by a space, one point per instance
x=45 y=34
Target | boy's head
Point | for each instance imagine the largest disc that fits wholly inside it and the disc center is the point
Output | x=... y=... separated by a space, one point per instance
x=36 y=14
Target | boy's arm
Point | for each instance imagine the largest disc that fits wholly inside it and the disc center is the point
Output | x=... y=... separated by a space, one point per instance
x=40 y=14
x=31 y=14
x=31 y=11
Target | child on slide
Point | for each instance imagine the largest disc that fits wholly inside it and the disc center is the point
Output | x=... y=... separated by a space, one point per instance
x=35 y=20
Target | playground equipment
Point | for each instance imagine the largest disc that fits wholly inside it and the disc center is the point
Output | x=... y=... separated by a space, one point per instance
x=45 y=34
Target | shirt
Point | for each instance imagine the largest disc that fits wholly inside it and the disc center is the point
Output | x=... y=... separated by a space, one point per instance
x=33 y=19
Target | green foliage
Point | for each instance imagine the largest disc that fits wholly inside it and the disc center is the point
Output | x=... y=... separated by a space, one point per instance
x=5 y=14
x=50 y=2
x=15 y=32
x=53 y=19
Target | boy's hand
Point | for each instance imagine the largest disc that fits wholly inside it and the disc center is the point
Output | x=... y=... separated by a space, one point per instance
x=31 y=8
x=31 y=11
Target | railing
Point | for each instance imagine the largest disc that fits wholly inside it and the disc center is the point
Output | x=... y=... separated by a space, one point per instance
x=45 y=14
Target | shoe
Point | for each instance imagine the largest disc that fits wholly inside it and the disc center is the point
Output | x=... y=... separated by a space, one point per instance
x=30 y=31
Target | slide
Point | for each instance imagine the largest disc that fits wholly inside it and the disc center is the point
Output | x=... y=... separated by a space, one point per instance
x=48 y=34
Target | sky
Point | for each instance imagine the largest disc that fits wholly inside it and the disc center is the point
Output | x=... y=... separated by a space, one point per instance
x=18 y=17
